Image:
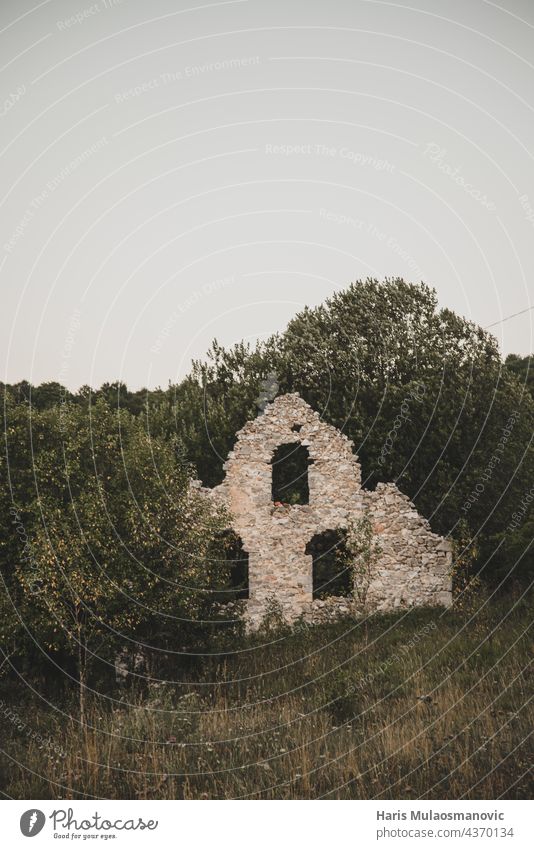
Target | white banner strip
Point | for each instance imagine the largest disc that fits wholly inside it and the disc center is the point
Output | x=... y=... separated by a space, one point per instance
x=258 y=824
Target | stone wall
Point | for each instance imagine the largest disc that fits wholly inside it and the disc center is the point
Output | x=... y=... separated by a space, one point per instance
x=414 y=565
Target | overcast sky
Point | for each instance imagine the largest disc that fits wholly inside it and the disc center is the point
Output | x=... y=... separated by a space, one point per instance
x=170 y=175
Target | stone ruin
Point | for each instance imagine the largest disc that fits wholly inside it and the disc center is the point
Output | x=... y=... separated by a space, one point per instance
x=284 y=542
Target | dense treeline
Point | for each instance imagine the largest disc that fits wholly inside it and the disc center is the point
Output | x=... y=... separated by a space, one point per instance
x=103 y=546
x=102 y=542
x=424 y=395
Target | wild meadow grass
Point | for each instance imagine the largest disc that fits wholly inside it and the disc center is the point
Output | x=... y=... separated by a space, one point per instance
x=425 y=704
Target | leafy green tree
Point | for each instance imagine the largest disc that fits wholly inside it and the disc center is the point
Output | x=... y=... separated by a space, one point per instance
x=421 y=391
x=216 y=400
x=523 y=369
x=361 y=554
x=118 y=549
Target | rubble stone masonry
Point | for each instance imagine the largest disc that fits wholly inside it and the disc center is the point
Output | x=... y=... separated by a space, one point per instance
x=413 y=566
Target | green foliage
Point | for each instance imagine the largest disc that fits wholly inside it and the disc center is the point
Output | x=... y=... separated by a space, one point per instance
x=466 y=586
x=108 y=545
x=332 y=569
x=274 y=623
x=216 y=400
x=95 y=505
x=360 y=553
x=374 y=347
x=421 y=391
x=523 y=369
x=290 y=474
x=433 y=705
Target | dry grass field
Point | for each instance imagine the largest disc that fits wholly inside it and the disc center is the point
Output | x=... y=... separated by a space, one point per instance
x=421 y=705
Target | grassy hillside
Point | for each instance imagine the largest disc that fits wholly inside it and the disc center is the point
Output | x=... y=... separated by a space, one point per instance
x=428 y=704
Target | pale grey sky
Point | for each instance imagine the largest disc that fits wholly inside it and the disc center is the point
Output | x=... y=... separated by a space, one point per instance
x=177 y=172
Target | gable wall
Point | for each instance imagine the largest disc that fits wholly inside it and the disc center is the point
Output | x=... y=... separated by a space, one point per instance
x=414 y=564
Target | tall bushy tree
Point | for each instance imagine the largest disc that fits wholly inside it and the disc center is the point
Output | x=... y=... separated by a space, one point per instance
x=216 y=400
x=117 y=549
x=421 y=391
x=375 y=347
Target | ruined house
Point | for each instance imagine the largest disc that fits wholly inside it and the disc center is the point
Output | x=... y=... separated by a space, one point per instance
x=292 y=487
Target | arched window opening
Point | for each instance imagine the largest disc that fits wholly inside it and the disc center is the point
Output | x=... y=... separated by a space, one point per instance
x=290 y=474
x=237 y=561
x=331 y=576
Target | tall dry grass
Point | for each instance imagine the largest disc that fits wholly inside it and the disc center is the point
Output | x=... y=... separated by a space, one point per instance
x=429 y=704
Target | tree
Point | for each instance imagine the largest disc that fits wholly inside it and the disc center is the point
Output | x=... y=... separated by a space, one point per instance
x=523 y=369
x=361 y=553
x=215 y=401
x=119 y=550
x=421 y=391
